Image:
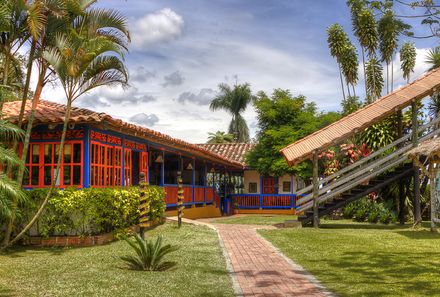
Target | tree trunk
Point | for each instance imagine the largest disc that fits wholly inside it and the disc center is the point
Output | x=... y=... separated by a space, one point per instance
x=392 y=75
x=342 y=81
x=57 y=174
x=24 y=95
x=348 y=88
x=25 y=149
x=388 y=78
x=415 y=141
x=365 y=72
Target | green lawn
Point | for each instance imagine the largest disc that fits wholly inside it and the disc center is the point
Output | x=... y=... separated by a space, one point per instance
x=97 y=271
x=254 y=219
x=365 y=260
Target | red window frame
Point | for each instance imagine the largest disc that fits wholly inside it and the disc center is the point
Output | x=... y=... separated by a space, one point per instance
x=128 y=168
x=39 y=164
x=106 y=165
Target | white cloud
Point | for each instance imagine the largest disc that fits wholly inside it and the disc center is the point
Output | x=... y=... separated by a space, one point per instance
x=173 y=79
x=144 y=119
x=158 y=27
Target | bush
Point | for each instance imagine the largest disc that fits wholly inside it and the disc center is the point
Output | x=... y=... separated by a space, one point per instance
x=368 y=210
x=93 y=211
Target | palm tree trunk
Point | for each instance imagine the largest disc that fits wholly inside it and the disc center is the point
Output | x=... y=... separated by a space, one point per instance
x=24 y=95
x=354 y=91
x=21 y=169
x=348 y=88
x=365 y=71
x=342 y=81
x=55 y=178
x=237 y=128
x=392 y=75
x=388 y=78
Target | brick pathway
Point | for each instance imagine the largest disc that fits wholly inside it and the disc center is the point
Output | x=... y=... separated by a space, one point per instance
x=260 y=270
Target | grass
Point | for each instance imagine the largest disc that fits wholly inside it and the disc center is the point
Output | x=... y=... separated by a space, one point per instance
x=254 y=219
x=97 y=271
x=365 y=260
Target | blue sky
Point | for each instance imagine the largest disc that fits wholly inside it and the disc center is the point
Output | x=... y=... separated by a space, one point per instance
x=181 y=50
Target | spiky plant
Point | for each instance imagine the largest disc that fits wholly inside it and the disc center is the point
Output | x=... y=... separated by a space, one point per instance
x=407 y=59
x=350 y=64
x=388 y=42
x=374 y=79
x=337 y=42
x=150 y=254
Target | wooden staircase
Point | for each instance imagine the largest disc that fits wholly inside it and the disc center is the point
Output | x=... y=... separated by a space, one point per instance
x=359 y=179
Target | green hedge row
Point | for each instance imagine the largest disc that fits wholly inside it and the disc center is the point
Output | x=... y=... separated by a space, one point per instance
x=93 y=211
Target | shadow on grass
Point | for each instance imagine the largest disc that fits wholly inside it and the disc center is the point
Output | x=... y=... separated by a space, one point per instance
x=362 y=226
x=18 y=251
x=4 y=292
x=383 y=273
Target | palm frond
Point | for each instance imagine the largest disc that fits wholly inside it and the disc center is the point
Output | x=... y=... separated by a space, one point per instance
x=9 y=131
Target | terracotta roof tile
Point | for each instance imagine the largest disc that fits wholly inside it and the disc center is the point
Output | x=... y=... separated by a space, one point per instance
x=232 y=151
x=50 y=112
x=363 y=118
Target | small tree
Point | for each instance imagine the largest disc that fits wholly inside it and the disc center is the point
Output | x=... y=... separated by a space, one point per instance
x=220 y=137
x=83 y=61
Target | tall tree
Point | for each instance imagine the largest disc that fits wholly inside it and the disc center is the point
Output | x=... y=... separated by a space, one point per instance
x=234 y=100
x=337 y=42
x=83 y=60
x=388 y=42
x=433 y=58
x=350 y=64
x=283 y=119
x=374 y=79
x=408 y=56
x=220 y=137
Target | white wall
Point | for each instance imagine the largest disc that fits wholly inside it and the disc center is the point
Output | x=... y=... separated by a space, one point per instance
x=251 y=176
x=285 y=178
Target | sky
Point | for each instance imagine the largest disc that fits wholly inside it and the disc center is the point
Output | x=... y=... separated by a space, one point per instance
x=182 y=49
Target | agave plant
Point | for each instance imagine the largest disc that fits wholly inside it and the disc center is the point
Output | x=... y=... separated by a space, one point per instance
x=149 y=254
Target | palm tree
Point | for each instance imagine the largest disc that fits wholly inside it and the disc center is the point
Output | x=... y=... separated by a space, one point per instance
x=433 y=58
x=374 y=80
x=9 y=189
x=408 y=59
x=337 y=41
x=83 y=60
x=350 y=64
x=388 y=36
x=220 y=137
x=234 y=101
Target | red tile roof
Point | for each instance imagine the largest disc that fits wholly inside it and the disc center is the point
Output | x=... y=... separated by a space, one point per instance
x=50 y=112
x=232 y=151
x=363 y=118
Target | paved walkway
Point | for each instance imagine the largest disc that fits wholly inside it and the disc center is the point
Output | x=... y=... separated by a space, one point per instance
x=260 y=269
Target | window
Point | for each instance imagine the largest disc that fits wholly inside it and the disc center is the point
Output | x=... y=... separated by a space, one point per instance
x=41 y=164
x=199 y=173
x=287 y=185
x=127 y=167
x=252 y=188
x=187 y=171
x=106 y=164
x=171 y=164
x=155 y=169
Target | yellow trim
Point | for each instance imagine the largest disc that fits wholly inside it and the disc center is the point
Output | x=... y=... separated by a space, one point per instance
x=209 y=211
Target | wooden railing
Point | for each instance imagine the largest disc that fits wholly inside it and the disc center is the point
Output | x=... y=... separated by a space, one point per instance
x=192 y=195
x=365 y=169
x=263 y=201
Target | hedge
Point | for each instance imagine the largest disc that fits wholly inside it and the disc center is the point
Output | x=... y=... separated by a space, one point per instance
x=92 y=211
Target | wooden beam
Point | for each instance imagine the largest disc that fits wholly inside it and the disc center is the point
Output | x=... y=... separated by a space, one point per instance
x=416 y=177
x=315 y=190
x=432 y=190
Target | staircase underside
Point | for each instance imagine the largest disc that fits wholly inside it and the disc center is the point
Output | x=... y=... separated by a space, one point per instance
x=357 y=192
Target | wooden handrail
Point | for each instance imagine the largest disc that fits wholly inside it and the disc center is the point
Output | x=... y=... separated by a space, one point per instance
x=363 y=160
x=369 y=168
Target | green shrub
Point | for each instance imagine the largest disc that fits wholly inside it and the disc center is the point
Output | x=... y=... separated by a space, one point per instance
x=365 y=209
x=149 y=254
x=94 y=210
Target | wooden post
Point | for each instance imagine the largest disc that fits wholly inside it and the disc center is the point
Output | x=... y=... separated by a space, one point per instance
x=416 y=178
x=315 y=190
x=401 y=181
x=144 y=206
x=433 y=192
x=180 y=206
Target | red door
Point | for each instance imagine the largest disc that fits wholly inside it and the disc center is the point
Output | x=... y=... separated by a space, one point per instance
x=269 y=185
x=143 y=166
